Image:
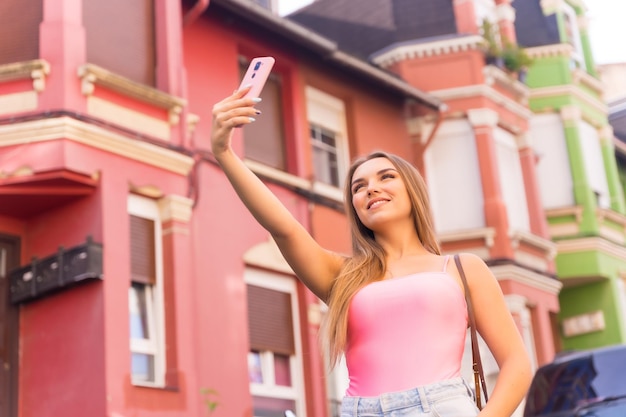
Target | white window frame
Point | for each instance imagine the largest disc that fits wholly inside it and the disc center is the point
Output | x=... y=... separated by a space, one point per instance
x=593 y=162
x=512 y=180
x=569 y=14
x=329 y=112
x=282 y=283
x=485 y=9
x=149 y=209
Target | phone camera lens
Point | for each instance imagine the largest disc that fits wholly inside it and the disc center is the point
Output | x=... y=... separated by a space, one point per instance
x=257 y=66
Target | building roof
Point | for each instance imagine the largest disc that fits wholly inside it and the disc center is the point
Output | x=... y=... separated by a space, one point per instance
x=617 y=119
x=532 y=27
x=363 y=27
x=327 y=49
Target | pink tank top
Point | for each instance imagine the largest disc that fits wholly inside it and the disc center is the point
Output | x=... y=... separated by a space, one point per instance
x=405 y=332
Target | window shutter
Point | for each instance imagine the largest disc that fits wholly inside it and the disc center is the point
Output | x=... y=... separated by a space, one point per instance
x=270 y=320
x=121 y=37
x=266 y=142
x=142 y=250
x=19 y=30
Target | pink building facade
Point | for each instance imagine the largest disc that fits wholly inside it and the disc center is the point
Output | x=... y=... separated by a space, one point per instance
x=136 y=283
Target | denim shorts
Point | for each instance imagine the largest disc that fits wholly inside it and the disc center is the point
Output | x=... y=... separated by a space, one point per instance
x=450 y=398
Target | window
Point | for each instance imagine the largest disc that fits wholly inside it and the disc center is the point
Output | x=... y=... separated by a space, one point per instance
x=572 y=34
x=145 y=293
x=511 y=180
x=452 y=160
x=327 y=122
x=127 y=47
x=274 y=359
x=265 y=143
x=325 y=165
x=594 y=163
x=19 y=22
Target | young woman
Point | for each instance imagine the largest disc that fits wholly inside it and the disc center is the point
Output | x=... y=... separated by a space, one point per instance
x=396 y=305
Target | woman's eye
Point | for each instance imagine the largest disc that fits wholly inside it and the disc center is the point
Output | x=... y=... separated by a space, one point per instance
x=357 y=188
x=385 y=176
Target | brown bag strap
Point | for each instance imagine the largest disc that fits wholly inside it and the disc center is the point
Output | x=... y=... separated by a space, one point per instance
x=477 y=364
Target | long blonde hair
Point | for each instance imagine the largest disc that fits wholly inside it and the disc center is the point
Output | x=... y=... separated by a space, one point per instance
x=368 y=261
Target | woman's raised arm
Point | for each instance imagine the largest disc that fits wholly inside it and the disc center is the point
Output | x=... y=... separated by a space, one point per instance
x=314 y=265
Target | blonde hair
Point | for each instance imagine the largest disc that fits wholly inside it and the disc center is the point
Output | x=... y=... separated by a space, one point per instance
x=368 y=263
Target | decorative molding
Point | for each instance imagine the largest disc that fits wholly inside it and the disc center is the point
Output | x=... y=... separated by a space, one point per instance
x=405 y=51
x=494 y=75
x=575 y=91
x=487 y=234
x=574 y=211
x=618 y=236
x=267 y=255
x=588 y=244
x=543 y=245
x=486 y=92
x=128 y=118
x=36 y=70
x=505 y=11
x=175 y=207
x=483 y=117
x=563 y=229
x=67 y=128
x=606 y=132
x=527 y=277
x=569 y=90
x=18 y=102
x=570 y=113
x=551 y=6
x=192 y=122
x=583 y=78
x=547 y=51
x=619 y=146
x=329 y=192
x=92 y=75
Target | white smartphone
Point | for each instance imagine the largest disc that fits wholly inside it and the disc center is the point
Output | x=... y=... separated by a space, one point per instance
x=256 y=75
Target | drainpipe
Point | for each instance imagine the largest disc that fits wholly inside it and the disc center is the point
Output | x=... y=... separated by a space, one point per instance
x=195 y=11
x=421 y=149
x=440 y=116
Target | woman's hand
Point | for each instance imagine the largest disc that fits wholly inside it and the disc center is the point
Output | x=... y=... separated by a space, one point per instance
x=233 y=111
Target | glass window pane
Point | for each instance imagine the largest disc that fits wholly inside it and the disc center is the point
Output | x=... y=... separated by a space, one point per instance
x=138 y=311
x=271 y=407
x=282 y=370
x=142 y=367
x=255 y=373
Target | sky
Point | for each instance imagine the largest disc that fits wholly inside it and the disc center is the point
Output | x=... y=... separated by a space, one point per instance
x=607 y=27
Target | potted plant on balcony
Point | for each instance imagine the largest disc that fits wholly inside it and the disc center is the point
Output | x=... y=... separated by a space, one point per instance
x=516 y=60
x=493 y=49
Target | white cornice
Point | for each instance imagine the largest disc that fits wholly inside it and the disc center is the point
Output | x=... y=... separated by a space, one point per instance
x=591 y=244
x=36 y=70
x=494 y=75
x=574 y=211
x=527 y=277
x=544 y=245
x=425 y=49
x=92 y=75
x=620 y=146
x=67 y=128
x=583 y=78
x=562 y=90
x=485 y=91
x=176 y=208
x=487 y=234
x=557 y=49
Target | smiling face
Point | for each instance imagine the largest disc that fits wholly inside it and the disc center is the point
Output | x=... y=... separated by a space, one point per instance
x=379 y=193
